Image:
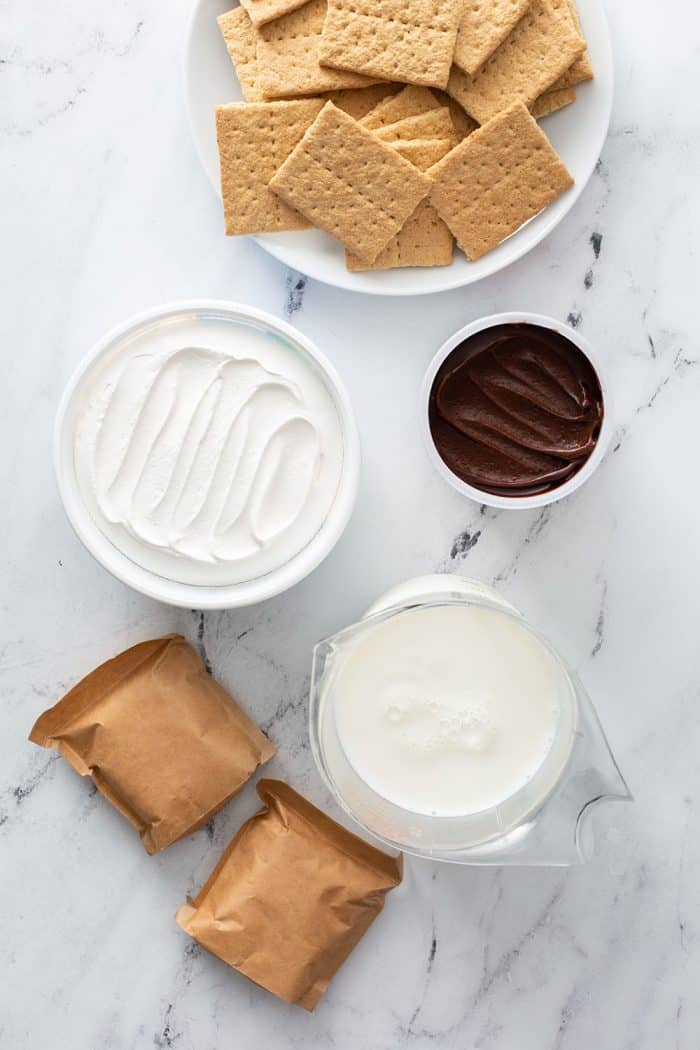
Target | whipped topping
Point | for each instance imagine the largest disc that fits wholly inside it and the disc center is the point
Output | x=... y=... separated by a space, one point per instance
x=207 y=451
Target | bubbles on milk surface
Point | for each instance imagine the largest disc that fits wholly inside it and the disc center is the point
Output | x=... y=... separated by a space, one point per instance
x=424 y=722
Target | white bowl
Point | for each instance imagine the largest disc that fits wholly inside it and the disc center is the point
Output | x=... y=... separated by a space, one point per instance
x=542 y=498
x=577 y=133
x=193 y=596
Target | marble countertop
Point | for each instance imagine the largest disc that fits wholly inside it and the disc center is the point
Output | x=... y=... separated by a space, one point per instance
x=106 y=211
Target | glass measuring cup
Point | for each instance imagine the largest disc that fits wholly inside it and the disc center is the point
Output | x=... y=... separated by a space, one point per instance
x=539 y=824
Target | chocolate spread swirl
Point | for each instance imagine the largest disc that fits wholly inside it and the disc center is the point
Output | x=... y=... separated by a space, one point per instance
x=516 y=409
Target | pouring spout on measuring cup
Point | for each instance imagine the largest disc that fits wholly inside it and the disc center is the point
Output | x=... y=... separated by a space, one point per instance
x=449 y=727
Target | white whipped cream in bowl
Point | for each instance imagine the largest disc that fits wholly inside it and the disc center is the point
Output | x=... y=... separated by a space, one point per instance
x=207 y=454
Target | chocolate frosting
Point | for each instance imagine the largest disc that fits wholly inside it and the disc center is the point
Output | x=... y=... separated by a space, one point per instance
x=516 y=409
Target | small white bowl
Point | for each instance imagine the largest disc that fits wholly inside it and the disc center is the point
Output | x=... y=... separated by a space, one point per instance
x=541 y=499
x=193 y=596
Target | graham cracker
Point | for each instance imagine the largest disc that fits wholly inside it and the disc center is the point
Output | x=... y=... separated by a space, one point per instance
x=463 y=123
x=409 y=102
x=239 y=35
x=349 y=183
x=435 y=124
x=288 y=56
x=580 y=70
x=423 y=153
x=424 y=239
x=408 y=40
x=551 y=101
x=540 y=48
x=263 y=11
x=495 y=180
x=358 y=102
x=254 y=139
x=483 y=27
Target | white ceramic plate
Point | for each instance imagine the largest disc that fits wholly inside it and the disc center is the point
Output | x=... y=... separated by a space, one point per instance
x=577 y=133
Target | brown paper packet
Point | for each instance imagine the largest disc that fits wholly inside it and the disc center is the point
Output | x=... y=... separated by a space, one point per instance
x=163 y=742
x=291 y=896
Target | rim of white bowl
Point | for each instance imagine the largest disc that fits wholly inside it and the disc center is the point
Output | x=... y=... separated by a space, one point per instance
x=541 y=499
x=197 y=596
x=547 y=220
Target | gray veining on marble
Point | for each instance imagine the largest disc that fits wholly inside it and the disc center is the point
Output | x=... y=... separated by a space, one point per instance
x=105 y=211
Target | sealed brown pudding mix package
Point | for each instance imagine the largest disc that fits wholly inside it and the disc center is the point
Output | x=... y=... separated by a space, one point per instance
x=291 y=896
x=160 y=738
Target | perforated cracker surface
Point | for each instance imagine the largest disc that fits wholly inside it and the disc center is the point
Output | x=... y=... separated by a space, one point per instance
x=408 y=40
x=350 y=184
x=435 y=124
x=262 y=11
x=581 y=69
x=423 y=153
x=239 y=35
x=543 y=44
x=288 y=56
x=424 y=239
x=409 y=102
x=254 y=139
x=497 y=179
x=484 y=25
x=359 y=102
x=551 y=101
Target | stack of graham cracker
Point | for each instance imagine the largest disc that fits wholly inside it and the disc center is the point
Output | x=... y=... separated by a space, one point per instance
x=397 y=126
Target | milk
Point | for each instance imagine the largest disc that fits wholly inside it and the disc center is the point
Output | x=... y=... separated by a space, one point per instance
x=447 y=709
